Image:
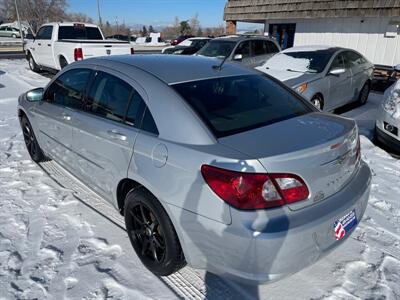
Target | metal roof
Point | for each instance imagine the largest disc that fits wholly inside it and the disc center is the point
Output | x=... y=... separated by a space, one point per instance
x=258 y=10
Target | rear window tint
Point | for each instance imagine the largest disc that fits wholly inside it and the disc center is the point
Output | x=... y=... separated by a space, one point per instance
x=79 y=33
x=232 y=105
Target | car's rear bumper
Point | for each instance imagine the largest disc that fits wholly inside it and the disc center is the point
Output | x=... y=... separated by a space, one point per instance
x=267 y=245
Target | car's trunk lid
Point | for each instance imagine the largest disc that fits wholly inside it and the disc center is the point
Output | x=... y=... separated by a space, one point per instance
x=320 y=148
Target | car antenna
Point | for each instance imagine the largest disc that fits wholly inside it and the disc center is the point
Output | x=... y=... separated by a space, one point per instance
x=219 y=67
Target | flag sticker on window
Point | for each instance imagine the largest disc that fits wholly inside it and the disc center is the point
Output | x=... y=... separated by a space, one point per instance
x=344 y=224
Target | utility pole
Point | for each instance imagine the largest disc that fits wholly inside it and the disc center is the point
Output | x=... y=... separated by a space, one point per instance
x=98 y=13
x=19 y=23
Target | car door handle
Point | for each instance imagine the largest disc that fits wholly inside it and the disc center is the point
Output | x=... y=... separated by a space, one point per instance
x=66 y=117
x=40 y=44
x=49 y=45
x=114 y=134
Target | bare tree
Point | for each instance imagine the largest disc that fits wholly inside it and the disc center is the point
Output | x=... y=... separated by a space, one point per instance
x=36 y=12
x=78 y=17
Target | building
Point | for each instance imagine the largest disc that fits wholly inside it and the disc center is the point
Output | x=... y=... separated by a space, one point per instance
x=371 y=27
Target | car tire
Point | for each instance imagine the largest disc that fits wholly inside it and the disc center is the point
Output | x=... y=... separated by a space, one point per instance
x=32 y=64
x=152 y=234
x=63 y=62
x=30 y=141
x=318 y=101
x=14 y=36
x=364 y=93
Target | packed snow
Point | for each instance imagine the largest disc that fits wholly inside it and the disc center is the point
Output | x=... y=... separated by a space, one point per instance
x=57 y=241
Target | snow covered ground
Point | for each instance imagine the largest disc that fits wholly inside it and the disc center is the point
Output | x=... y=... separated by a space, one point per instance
x=60 y=241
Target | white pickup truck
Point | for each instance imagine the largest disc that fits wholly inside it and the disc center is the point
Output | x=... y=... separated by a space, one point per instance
x=59 y=44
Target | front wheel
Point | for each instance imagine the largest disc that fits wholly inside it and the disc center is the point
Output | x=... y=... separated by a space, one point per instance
x=318 y=102
x=152 y=234
x=32 y=64
x=364 y=93
x=30 y=141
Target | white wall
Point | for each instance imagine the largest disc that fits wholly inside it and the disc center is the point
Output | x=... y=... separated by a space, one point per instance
x=367 y=37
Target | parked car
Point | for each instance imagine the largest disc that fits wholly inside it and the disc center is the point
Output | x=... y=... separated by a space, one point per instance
x=58 y=44
x=251 y=51
x=228 y=172
x=121 y=37
x=187 y=47
x=329 y=77
x=8 y=31
x=180 y=39
x=388 y=117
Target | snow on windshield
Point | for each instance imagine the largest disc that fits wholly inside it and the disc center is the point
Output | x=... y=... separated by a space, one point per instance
x=283 y=62
x=186 y=43
x=392 y=100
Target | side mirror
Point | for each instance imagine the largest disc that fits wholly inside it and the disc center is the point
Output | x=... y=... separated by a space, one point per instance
x=238 y=57
x=337 y=71
x=35 y=95
x=29 y=36
x=397 y=68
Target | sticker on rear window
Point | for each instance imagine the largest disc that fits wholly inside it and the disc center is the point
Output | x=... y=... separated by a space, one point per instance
x=345 y=224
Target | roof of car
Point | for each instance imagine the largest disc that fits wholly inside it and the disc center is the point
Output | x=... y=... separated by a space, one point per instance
x=69 y=24
x=311 y=48
x=174 y=69
x=237 y=38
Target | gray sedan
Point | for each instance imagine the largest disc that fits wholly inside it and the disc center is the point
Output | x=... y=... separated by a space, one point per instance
x=8 y=31
x=329 y=77
x=214 y=166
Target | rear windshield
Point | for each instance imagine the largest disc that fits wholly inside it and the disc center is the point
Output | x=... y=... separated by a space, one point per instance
x=79 y=33
x=231 y=105
x=220 y=49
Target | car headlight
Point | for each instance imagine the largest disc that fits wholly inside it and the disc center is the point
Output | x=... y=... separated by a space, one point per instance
x=302 y=88
x=392 y=103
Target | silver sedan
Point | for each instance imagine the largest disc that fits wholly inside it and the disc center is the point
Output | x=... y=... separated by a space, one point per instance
x=214 y=166
x=329 y=77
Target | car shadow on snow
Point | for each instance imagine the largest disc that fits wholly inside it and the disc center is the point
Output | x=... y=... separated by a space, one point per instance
x=217 y=244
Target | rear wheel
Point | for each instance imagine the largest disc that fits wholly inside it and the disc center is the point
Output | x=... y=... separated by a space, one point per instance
x=30 y=141
x=318 y=102
x=63 y=62
x=152 y=234
x=32 y=64
x=364 y=93
x=14 y=36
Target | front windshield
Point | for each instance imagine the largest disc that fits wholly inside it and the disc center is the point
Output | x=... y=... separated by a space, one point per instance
x=302 y=61
x=187 y=42
x=220 y=49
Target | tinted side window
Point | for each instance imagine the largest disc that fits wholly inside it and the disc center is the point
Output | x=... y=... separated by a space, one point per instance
x=45 y=33
x=109 y=97
x=134 y=116
x=272 y=48
x=354 y=58
x=244 y=49
x=338 y=62
x=259 y=48
x=68 y=89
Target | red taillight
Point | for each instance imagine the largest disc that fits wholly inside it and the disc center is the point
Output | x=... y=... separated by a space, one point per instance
x=132 y=51
x=78 y=54
x=251 y=191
